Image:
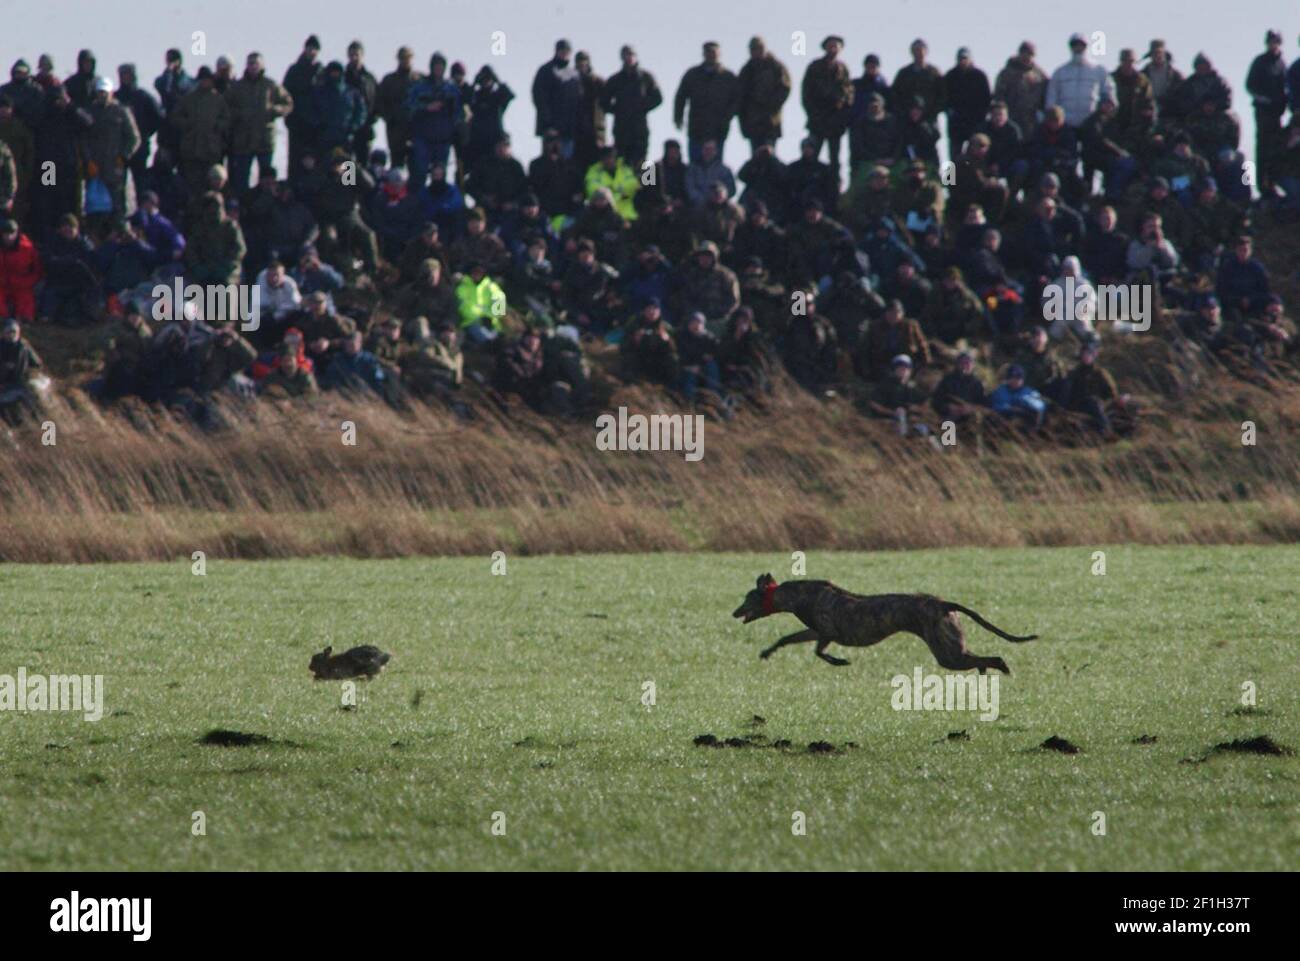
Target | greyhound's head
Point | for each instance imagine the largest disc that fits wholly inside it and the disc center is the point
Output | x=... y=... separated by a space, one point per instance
x=758 y=602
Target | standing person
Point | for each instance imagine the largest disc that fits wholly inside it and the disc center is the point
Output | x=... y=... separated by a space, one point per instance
x=255 y=101
x=203 y=119
x=487 y=110
x=1165 y=79
x=337 y=112
x=969 y=97
x=1266 y=84
x=1132 y=90
x=1078 y=85
x=300 y=81
x=764 y=88
x=390 y=105
x=20 y=141
x=57 y=141
x=148 y=119
x=630 y=95
x=110 y=144
x=172 y=84
x=919 y=79
x=363 y=82
x=590 y=138
x=27 y=95
x=434 y=108
x=1022 y=86
x=557 y=97
x=81 y=85
x=827 y=94
x=713 y=94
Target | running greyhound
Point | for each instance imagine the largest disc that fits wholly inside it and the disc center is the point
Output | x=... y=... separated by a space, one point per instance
x=834 y=615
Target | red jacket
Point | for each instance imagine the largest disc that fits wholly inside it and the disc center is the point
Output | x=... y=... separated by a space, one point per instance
x=20 y=265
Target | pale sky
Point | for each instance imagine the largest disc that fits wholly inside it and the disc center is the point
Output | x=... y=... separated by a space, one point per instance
x=666 y=33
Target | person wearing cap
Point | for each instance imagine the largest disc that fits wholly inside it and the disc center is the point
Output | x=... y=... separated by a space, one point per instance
x=629 y=96
x=898 y=397
x=712 y=94
x=498 y=182
x=611 y=172
x=1164 y=76
x=1132 y=88
x=894 y=333
x=1015 y=400
x=202 y=117
x=300 y=81
x=827 y=95
x=1022 y=86
x=969 y=95
x=557 y=97
x=390 y=105
x=919 y=79
x=255 y=102
x=488 y=100
x=876 y=137
x=764 y=88
x=435 y=111
x=21 y=269
x=1078 y=85
x=109 y=144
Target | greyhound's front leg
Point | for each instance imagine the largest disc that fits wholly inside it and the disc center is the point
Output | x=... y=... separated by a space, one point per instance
x=828 y=658
x=798 y=637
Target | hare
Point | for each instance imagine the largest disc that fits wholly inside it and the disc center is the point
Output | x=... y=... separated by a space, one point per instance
x=365 y=661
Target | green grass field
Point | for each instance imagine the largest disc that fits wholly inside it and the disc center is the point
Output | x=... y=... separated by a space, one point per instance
x=522 y=694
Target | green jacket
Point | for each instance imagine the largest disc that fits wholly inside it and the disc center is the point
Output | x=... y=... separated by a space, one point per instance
x=482 y=303
x=254 y=106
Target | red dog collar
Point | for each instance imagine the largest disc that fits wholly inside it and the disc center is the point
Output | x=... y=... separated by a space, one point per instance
x=768 y=593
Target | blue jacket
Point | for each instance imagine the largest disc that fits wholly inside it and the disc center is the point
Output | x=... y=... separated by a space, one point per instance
x=1005 y=400
x=353 y=371
x=1237 y=280
x=438 y=126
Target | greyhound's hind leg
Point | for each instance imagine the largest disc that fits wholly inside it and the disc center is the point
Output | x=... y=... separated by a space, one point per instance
x=798 y=637
x=829 y=659
x=948 y=646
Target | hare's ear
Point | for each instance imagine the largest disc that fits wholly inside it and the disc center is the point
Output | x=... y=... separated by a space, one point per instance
x=327 y=650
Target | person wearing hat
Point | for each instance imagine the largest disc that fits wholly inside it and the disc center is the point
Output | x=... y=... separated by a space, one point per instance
x=827 y=95
x=27 y=95
x=390 y=104
x=1203 y=82
x=202 y=118
x=21 y=269
x=81 y=85
x=919 y=79
x=897 y=397
x=1017 y=401
x=1022 y=86
x=764 y=88
x=435 y=110
x=1164 y=76
x=707 y=286
x=712 y=94
x=300 y=82
x=255 y=102
x=1132 y=88
x=488 y=100
x=969 y=95
x=557 y=97
x=1078 y=85
x=109 y=144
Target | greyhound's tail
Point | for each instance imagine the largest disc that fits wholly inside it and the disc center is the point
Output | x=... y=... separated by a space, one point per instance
x=989 y=627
